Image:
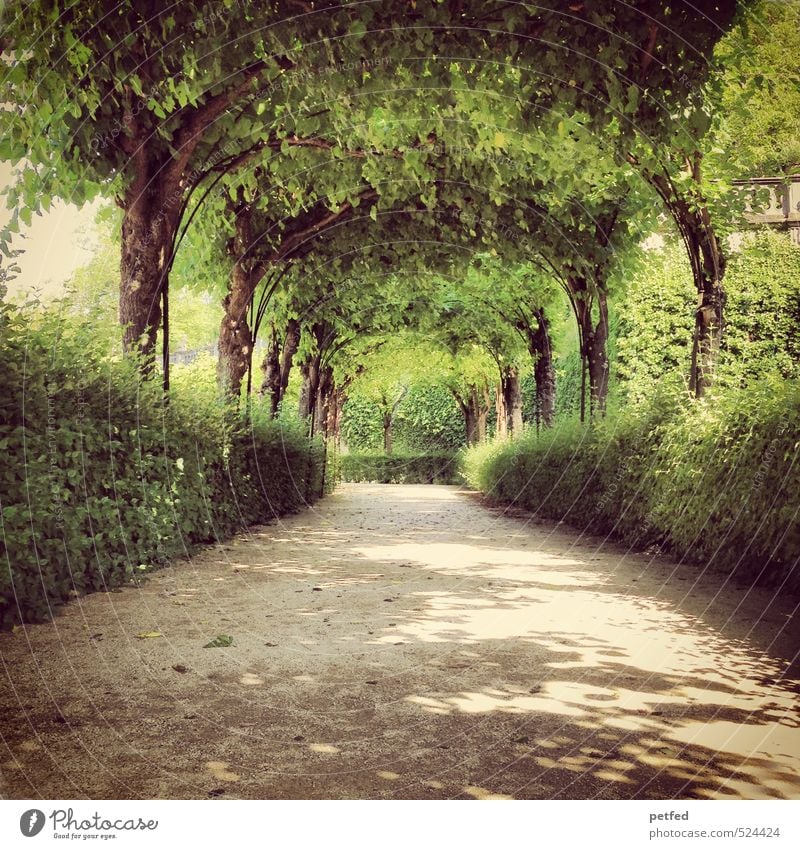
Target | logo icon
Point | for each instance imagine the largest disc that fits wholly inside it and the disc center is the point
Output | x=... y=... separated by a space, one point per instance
x=31 y=822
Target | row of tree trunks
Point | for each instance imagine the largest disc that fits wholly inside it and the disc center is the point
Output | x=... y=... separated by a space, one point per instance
x=475 y=409
x=154 y=203
x=277 y=363
x=335 y=406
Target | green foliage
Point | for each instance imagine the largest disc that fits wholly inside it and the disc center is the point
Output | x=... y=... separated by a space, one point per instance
x=762 y=316
x=102 y=482
x=362 y=424
x=656 y=321
x=712 y=482
x=568 y=383
x=762 y=331
x=440 y=467
x=761 y=91
x=428 y=419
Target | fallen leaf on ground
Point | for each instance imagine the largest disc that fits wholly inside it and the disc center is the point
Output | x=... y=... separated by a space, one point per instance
x=220 y=642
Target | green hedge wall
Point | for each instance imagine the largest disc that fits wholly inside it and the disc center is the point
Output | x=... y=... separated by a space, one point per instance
x=715 y=483
x=400 y=468
x=101 y=482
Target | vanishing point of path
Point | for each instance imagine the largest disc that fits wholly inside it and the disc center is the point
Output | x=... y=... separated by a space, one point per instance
x=404 y=641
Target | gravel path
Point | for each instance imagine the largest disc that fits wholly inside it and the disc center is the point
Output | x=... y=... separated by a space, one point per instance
x=405 y=641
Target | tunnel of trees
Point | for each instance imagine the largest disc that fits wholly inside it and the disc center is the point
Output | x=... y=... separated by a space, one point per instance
x=413 y=241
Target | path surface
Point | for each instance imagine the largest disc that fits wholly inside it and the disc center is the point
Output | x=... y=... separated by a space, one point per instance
x=407 y=642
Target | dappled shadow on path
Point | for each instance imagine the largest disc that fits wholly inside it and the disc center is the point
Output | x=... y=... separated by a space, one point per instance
x=404 y=642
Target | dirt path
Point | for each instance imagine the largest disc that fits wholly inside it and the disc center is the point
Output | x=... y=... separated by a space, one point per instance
x=406 y=642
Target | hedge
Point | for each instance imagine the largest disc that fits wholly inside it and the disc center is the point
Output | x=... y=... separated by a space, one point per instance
x=714 y=482
x=101 y=481
x=400 y=468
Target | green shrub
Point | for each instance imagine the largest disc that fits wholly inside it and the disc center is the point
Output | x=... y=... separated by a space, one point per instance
x=400 y=468
x=102 y=481
x=362 y=424
x=429 y=420
x=713 y=482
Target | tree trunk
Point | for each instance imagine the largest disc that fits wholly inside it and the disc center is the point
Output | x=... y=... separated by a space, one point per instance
x=304 y=406
x=277 y=364
x=309 y=392
x=543 y=372
x=148 y=228
x=597 y=358
x=594 y=338
x=501 y=410
x=334 y=413
x=338 y=408
x=708 y=327
x=690 y=213
x=387 y=433
x=322 y=405
x=482 y=412
x=291 y=343
x=475 y=410
x=235 y=337
x=512 y=400
x=270 y=385
x=470 y=423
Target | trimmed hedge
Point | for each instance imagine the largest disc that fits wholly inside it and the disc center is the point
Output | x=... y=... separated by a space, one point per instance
x=714 y=482
x=100 y=481
x=400 y=468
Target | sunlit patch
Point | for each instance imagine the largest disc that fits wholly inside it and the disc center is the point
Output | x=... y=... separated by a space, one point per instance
x=498 y=563
x=323 y=748
x=220 y=771
x=608 y=775
x=483 y=793
x=250 y=680
x=389 y=776
x=430 y=705
x=485 y=703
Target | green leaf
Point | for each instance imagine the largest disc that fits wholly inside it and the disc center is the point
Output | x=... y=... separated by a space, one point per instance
x=220 y=642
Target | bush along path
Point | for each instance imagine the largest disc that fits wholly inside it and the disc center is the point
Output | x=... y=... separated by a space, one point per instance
x=405 y=641
x=102 y=481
